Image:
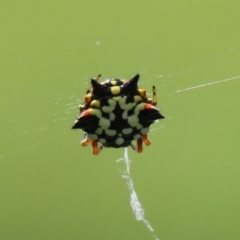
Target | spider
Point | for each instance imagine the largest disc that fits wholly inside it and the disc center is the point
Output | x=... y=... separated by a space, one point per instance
x=116 y=112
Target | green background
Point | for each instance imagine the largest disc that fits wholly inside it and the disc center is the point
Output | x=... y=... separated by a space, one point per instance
x=187 y=180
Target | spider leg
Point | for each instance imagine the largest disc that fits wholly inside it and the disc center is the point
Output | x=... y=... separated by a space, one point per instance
x=154 y=99
x=139 y=145
x=96 y=149
x=142 y=93
x=133 y=147
x=85 y=140
x=84 y=135
x=146 y=140
x=100 y=148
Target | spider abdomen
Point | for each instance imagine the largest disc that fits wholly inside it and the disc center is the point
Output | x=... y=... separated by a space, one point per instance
x=115 y=113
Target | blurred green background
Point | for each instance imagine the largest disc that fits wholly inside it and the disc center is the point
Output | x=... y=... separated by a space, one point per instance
x=187 y=180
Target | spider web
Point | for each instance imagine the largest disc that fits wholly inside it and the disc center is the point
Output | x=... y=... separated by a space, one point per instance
x=136 y=206
x=66 y=105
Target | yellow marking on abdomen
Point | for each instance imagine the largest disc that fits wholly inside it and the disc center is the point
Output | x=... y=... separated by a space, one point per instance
x=95 y=103
x=113 y=82
x=115 y=90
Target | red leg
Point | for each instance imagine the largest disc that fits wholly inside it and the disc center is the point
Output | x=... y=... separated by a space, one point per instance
x=145 y=139
x=95 y=147
x=139 y=145
x=85 y=141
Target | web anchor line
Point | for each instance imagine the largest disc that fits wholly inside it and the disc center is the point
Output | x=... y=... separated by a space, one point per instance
x=138 y=210
x=207 y=84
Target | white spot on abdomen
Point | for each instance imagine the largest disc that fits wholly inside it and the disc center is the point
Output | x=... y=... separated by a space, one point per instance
x=111 y=107
x=92 y=136
x=99 y=131
x=104 y=123
x=119 y=141
x=127 y=131
x=102 y=140
x=138 y=108
x=133 y=120
x=111 y=116
x=137 y=136
x=124 y=115
x=144 y=130
x=110 y=132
